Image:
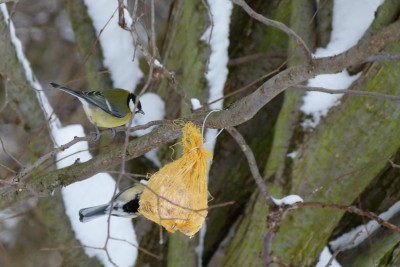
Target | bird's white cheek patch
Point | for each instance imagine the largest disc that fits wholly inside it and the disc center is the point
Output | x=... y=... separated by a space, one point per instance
x=131 y=105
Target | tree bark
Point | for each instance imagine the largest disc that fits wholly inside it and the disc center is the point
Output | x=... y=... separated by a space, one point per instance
x=26 y=104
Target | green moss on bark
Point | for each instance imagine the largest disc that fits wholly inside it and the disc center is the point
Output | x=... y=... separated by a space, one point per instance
x=342 y=156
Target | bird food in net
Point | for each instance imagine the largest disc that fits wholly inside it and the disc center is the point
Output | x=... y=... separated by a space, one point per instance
x=176 y=195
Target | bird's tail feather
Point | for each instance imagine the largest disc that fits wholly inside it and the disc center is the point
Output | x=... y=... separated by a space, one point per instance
x=91 y=213
x=65 y=89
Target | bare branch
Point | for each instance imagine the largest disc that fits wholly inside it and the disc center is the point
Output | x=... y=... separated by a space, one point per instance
x=255 y=57
x=248 y=86
x=244 y=109
x=7 y=153
x=150 y=124
x=275 y=215
x=383 y=56
x=121 y=17
x=27 y=170
x=346 y=91
x=8 y=169
x=351 y=209
x=252 y=163
x=159 y=69
x=153 y=31
x=158 y=257
x=3 y=106
x=394 y=165
x=23 y=174
x=275 y=24
x=349 y=244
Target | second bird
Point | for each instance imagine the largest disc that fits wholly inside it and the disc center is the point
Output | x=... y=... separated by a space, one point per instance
x=124 y=204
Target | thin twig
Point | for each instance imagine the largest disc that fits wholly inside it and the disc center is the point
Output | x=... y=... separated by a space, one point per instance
x=91 y=49
x=394 y=165
x=123 y=162
x=130 y=175
x=7 y=168
x=27 y=170
x=255 y=58
x=275 y=215
x=153 y=30
x=252 y=163
x=127 y=130
x=159 y=69
x=346 y=91
x=333 y=180
x=9 y=154
x=33 y=138
x=351 y=209
x=121 y=17
x=6 y=80
x=158 y=257
x=275 y=24
x=383 y=56
x=349 y=244
x=150 y=124
x=246 y=87
x=135 y=8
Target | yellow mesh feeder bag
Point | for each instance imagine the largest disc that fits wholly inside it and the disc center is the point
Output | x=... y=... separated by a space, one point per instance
x=176 y=195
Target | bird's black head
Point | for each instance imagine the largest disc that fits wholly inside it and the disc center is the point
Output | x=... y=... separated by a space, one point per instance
x=131 y=104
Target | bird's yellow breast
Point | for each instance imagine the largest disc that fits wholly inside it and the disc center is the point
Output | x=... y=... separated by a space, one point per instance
x=105 y=120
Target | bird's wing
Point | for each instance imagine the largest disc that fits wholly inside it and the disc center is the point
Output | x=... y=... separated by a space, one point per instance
x=88 y=214
x=97 y=99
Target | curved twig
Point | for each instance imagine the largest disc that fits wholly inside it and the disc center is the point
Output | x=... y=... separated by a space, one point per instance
x=350 y=209
x=347 y=91
x=276 y=24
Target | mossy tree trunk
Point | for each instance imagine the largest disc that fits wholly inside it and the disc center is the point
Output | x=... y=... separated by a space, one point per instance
x=346 y=154
x=23 y=100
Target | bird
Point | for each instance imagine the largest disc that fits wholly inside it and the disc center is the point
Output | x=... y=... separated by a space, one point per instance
x=107 y=109
x=124 y=204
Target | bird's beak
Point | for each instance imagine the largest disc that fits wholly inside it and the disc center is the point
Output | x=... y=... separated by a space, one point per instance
x=140 y=111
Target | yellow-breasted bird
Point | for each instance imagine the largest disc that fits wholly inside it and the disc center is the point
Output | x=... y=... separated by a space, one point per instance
x=108 y=109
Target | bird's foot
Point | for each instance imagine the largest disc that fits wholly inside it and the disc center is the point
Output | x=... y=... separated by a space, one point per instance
x=97 y=138
x=113 y=132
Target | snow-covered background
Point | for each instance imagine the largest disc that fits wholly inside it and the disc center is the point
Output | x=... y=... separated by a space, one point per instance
x=350 y=20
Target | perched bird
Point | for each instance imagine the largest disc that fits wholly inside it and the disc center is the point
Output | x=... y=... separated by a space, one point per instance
x=124 y=204
x=107 y=109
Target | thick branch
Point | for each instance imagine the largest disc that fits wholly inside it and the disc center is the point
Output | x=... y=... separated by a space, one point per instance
x=45 y=184
x=245 y=109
